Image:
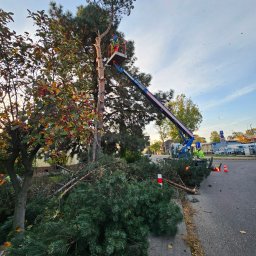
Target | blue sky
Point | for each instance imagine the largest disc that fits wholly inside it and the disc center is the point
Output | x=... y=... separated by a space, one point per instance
x=203 y=48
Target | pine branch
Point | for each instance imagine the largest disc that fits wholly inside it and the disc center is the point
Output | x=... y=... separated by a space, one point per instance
x=75 y=183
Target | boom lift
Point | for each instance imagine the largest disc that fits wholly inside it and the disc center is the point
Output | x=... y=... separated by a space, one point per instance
x=117 y=56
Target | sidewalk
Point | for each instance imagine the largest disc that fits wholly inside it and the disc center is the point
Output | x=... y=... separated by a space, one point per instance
x=170 y=246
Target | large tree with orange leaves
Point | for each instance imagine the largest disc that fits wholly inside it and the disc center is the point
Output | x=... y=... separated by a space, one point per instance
x=44 y=100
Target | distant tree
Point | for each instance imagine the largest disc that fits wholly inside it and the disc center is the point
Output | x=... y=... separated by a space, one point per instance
x=215 y=137
x=162 y=123
x=243 y=138
x=251 y=132
x=187 y=112
x=199 y=139
x=163 y=128
x=155 y=148
x=237 y=134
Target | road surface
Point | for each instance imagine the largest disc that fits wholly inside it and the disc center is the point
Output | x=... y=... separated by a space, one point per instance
x=226 y=212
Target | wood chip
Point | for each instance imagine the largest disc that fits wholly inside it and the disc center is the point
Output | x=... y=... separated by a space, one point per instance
x=170 y=246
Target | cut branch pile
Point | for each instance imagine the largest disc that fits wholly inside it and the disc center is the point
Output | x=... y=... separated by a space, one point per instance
x=83 y=176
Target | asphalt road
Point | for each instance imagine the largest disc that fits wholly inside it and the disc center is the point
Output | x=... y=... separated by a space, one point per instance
x=227 y=205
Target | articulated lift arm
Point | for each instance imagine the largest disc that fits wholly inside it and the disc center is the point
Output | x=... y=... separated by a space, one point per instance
x=186 y=134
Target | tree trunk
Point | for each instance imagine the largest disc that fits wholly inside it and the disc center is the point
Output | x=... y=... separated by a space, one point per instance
x=20 y=204
x=19 y=212
x=100 y=103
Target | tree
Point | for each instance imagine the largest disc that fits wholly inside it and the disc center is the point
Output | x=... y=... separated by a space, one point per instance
x=187 y=112
x=41 y=104
x=127 y=111
x=115 y=10
x=162 y=123
x=163 y=127
x=215 y=137
x=246 y=137
x=199 y=139
x=155 y=148
x=251 y=132
x=237 y=134
x=243 y=139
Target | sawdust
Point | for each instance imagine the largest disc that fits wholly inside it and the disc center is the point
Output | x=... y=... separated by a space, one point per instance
x=191 y=239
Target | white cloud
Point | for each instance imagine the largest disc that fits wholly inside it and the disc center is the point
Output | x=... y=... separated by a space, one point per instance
x=236 y=94
x=194 y=47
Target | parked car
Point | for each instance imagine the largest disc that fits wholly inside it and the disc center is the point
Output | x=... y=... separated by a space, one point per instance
x=230 y=151
x=219 y=152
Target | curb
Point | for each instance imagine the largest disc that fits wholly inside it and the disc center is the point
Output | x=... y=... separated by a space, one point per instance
x=234 y=158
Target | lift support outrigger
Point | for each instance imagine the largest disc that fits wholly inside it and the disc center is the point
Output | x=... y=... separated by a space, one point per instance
x=115 y=60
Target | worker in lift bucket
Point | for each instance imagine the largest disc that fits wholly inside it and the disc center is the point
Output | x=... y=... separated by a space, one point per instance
x=115 y=43
x=198 y=152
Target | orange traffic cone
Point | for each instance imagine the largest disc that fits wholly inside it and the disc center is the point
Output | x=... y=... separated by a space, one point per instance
x=216 y=168
x=226 y=168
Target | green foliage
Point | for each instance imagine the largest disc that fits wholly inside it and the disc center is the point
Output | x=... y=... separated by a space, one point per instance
x=115 y=8
x=143 y=169
x=61 y=158
x=112 y=216
x=187 y=112
x=250 y=132
x=6 y=201
x=35 y=208
x=132 y=156
x=45 y=98
x=6 y=210
x=156 y=147
x=191 y=172
x=163 y=127
x=199 y=139
x=5 y=230
x=215 y=137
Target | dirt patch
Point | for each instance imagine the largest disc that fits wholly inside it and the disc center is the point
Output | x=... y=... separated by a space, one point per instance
x=191 y=238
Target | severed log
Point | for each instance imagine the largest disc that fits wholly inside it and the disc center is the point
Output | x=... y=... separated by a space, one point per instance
x=192 y=191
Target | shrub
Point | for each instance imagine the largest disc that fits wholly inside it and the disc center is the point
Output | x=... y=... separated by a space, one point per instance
x=190 y=171
x=112 y=216
x=131 y=156
x=6 y=201
x=143 y=169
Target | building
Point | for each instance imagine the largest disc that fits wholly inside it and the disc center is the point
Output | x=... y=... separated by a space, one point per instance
x=207 y=148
